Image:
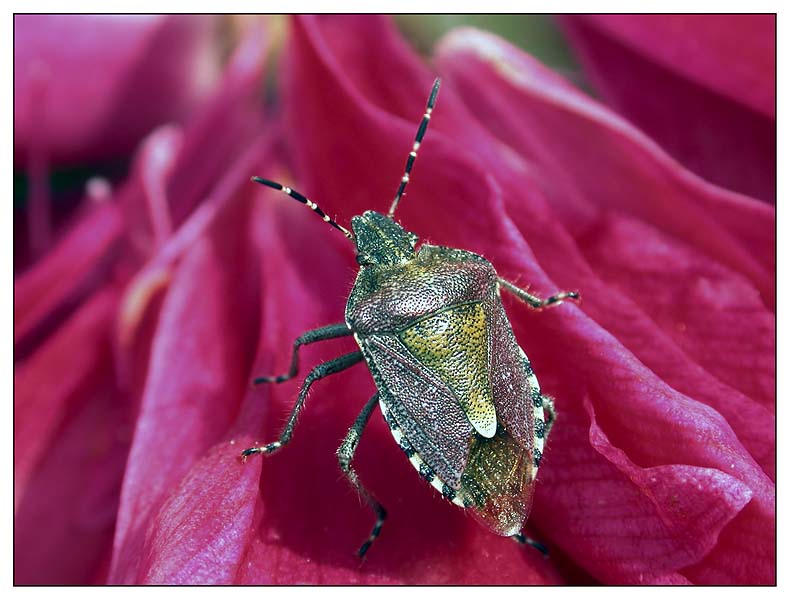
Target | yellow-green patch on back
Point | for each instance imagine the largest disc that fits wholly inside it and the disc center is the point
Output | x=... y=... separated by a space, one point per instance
x=454 y=345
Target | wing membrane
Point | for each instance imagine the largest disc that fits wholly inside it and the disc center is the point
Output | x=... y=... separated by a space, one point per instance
x=497 y=481
x=423 y=405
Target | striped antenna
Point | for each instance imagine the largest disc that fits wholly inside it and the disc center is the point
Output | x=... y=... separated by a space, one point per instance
x=417 y=141
x=297 y=196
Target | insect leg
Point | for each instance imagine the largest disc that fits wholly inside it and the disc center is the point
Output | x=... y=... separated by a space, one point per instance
x=345 y=454
x=524 y=540
x=551 y=414
x=319 y=372
x=308 y=337
x=534 y=301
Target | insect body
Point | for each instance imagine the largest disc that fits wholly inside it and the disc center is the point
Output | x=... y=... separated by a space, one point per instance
x=457 y=391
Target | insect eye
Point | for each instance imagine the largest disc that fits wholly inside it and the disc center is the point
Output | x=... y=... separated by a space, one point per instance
x=361 y=260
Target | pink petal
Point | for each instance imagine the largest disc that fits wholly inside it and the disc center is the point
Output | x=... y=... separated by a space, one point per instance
x=734 y=55
x=71 y=431
x=624 y=171
x=176 y=167
x=657 y=428
x=198 y=371
x=155 y=275
x=198 y=534
x=224 y=127
x=47 y=380
x=750 y=536
x=90 y=86
x=349 y=185
x=659 y=518
x=48 y=291
x=175 y=171
x=46 y=294
x=711 y=82
x=64 y=524
x=85 y=522
x=711 y=313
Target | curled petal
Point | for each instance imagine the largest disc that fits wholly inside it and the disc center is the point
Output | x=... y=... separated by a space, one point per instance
x=197 y=373
x=591 y=159
x=655 y=426
x=734 y=55
x=703 y=86
x=656 y=520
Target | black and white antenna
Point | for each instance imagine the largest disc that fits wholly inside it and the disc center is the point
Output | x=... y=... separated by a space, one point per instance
x=417 y=141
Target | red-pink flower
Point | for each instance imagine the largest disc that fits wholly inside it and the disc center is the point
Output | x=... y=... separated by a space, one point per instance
x=143 y=327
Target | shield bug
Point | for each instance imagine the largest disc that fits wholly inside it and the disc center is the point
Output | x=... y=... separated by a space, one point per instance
x=456 y=389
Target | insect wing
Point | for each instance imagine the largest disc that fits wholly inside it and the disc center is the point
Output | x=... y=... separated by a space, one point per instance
x=517 y=396
x=453 y=344
x=492 y=477
x=497 y=483
x=424 y=408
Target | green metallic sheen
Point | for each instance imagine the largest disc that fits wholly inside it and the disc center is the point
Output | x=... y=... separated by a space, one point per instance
x=381 y=241
x=453 y=343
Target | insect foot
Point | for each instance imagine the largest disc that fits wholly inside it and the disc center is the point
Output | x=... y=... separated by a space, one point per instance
x=267 y=449
x=381 y=515
x=557 y=298
x=270 y=379
x=534 y=301
x=524 y=541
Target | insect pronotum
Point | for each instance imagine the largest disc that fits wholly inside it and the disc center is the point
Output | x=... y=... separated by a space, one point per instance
x=457 y=391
